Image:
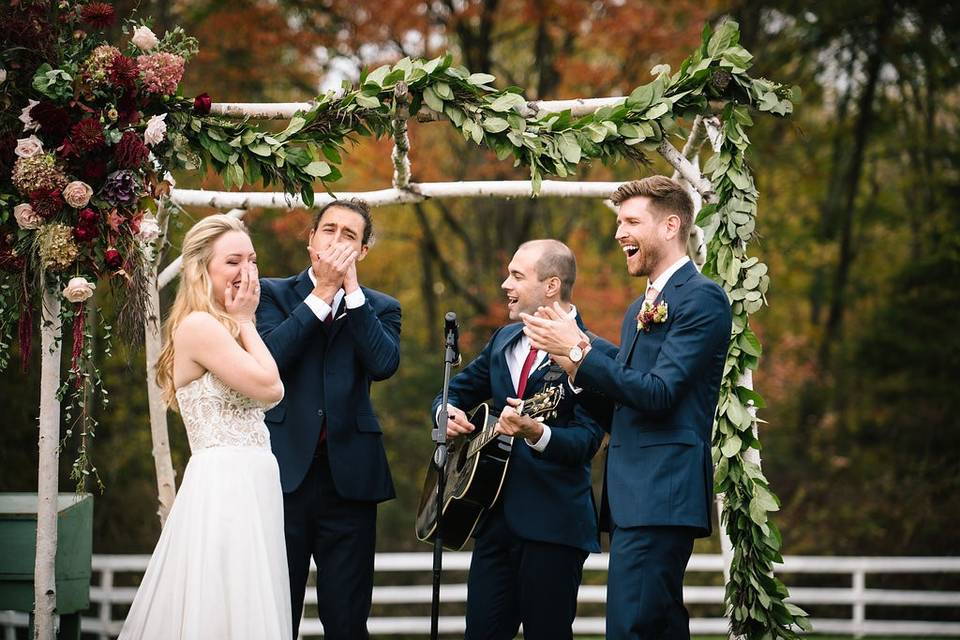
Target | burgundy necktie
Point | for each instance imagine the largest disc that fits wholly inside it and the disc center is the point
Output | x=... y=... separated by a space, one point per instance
x=525 y=371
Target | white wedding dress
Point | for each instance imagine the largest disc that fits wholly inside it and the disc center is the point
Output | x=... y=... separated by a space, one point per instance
x=219 y=570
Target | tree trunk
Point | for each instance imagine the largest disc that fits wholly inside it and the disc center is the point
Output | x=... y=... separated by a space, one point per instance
x=166 y=476
x=45 y=585
x=843 y=208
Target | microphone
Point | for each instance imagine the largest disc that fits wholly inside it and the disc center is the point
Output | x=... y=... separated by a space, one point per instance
x=452 y=331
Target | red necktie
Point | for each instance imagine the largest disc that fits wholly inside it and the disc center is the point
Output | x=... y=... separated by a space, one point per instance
x=525 y=372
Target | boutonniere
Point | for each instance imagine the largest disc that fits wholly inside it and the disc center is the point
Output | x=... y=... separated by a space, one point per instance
x=651 y=314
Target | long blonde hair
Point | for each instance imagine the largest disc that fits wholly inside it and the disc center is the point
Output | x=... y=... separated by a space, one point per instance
x=195 y=292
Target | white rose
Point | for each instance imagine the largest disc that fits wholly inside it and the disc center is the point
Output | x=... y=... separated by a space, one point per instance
x=149 y=229
x=77 y=194
x=28 y=123
x=78 y=289
x=26 y=217
x=156 y=130
x=28 y=147
x=144 y=38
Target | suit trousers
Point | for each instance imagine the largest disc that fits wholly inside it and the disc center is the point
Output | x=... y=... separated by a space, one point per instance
x=514 y=581
x=340 y=535
x=645 y=583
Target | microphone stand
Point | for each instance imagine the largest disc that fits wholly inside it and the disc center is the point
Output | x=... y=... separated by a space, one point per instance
x=450 y=359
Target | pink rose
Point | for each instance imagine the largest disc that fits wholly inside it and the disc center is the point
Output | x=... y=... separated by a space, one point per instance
x=26 y=217
x=77 y=194
x=144 y=38
x=28 y=147
x=78 y=289
x=156 y=130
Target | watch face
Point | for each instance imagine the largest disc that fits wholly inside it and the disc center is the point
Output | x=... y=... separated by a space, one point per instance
x=576 y=353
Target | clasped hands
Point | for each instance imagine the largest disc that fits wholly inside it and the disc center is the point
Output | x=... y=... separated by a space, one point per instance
x=334 y=267
x=551 y=330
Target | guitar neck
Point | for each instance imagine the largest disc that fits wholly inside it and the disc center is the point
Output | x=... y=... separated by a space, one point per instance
x=487 y=436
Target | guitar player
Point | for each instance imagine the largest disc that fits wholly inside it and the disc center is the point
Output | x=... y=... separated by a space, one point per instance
x=530 y=546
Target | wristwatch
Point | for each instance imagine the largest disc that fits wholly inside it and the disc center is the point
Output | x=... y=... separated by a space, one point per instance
x=577 y=351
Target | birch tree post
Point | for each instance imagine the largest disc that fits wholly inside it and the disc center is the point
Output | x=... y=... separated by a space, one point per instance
x=159 y=433
x=44 y=576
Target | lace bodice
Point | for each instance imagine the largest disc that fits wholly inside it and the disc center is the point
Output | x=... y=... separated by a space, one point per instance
x=217 y=416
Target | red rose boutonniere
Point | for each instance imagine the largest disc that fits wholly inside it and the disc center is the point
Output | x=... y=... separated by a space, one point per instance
x=651 y=314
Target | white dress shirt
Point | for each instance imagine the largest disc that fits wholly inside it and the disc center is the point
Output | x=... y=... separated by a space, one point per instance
x=320 y=307
x=664 y=277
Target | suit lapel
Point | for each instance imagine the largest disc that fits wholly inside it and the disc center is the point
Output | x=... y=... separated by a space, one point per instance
x=677 y=280
x=302 y=285
x=536 y=377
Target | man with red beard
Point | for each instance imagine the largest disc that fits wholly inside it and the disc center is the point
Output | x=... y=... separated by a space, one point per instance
x=661 y=390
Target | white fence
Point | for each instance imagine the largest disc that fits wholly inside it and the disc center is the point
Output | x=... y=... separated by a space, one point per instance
x=414 y=570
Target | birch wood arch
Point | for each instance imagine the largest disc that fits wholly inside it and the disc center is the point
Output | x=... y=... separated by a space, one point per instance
x=711 y=91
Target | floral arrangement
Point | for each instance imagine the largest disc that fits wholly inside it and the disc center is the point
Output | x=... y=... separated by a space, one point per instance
x=651 y=314
x=84 y=148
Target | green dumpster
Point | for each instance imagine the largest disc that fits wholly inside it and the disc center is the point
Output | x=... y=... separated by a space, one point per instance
x=18 y=543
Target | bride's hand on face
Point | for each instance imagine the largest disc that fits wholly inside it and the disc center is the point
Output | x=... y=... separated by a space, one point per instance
x=241 y=302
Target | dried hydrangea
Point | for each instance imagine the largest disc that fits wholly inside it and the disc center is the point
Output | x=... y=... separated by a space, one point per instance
x=56 y=247
x=38 y=173
x=96 y=68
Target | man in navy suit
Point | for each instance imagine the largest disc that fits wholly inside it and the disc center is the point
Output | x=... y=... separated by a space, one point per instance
x=331 y=338
x=661 y=387
x=530 y=547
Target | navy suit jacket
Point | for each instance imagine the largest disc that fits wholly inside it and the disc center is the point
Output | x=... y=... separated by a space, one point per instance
x=546 y=496
x=662 y=387
x=327 y=373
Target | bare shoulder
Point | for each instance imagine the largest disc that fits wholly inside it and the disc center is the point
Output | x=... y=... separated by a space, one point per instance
x=199 y=325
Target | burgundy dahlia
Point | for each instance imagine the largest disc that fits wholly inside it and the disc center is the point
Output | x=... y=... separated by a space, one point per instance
x=47 y=203
x=130 y=152
x=53 y=119
x=112 y=258
x=123 y=71
x=99 y=15
x=87 y=135
x=127 y=108
x=201 y=104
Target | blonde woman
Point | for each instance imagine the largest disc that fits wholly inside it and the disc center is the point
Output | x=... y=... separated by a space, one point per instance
x=219 y=568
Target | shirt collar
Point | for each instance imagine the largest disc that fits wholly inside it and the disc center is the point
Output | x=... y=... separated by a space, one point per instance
x=660 y=283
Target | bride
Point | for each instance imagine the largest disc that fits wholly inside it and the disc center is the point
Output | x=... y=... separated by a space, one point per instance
x=219 y=569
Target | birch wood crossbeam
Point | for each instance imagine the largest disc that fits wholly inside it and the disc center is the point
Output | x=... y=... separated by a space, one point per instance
x=416 y=192
x=285 y=110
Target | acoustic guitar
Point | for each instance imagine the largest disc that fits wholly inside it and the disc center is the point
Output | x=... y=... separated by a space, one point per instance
x=475 y=470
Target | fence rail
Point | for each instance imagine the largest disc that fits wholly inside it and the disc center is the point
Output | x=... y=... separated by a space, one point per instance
x=106 y=596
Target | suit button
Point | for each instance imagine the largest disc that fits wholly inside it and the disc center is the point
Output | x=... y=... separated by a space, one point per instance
x=320 y=413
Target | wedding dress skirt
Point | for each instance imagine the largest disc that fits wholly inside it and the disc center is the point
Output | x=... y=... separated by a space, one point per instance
x=219 y=570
